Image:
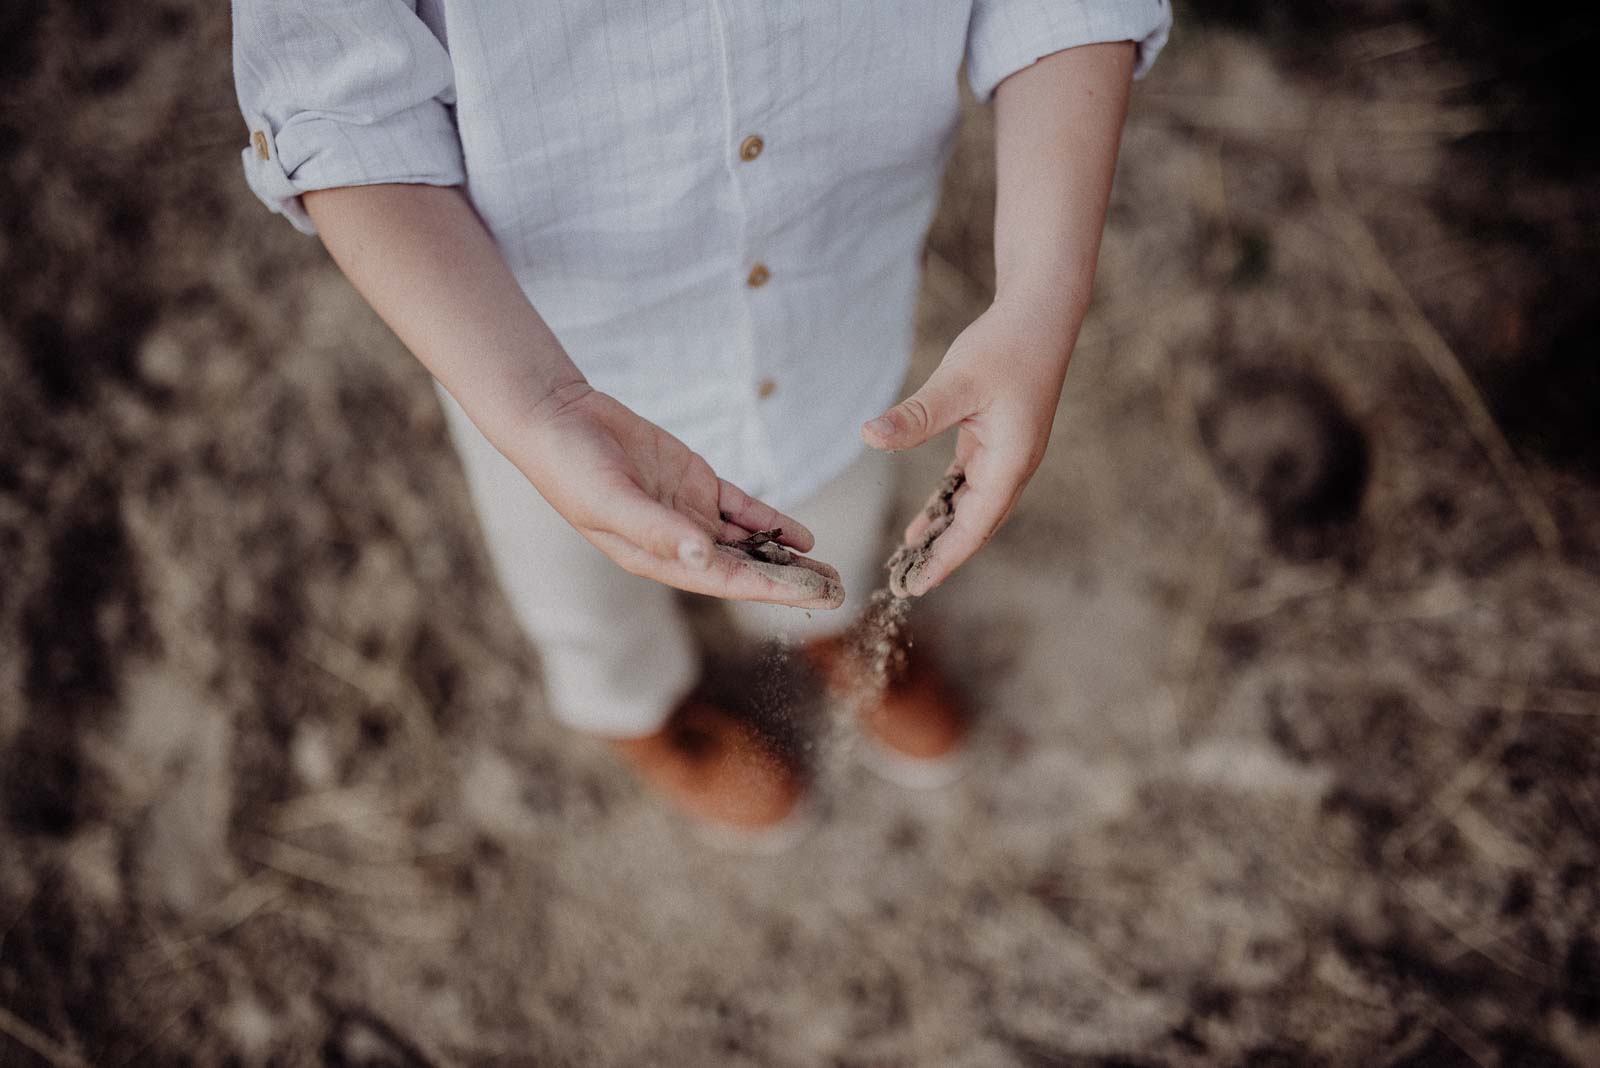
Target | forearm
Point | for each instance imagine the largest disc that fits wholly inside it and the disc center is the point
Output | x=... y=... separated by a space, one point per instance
x=1058 y=127
x=422 y=258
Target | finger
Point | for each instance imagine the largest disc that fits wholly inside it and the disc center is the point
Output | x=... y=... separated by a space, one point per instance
x=732 y=532
x=980 y=511
x=918 y=527
x=740 y=508
x=827 y=571
x=802 y=584
x=731 y=574
x=942 y=402
x=641 y=520
x=732 y=535
x=786 y=575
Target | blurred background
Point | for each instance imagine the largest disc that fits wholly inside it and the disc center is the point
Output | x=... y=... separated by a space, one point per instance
x=1288 y=664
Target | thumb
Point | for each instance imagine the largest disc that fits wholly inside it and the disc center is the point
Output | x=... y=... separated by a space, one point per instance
x=940 y=404
x=663 y=532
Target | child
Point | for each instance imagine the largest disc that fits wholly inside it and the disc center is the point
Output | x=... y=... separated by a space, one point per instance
x=658 y=255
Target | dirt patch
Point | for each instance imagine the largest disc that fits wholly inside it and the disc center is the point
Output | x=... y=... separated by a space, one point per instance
x=1283 y=440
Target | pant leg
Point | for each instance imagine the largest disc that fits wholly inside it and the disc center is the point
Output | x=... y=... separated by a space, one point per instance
x=615 y=648
x=849 y=517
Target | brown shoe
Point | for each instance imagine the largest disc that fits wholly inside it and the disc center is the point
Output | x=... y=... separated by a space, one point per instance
x=722 y=772
x=915 y=727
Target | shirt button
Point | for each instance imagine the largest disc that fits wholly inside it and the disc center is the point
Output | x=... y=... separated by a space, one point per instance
x=751 y=147
x=758 y=276
x=766 y=388
x=259 y=140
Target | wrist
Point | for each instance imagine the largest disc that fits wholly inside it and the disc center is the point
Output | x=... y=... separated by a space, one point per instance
x=1043 y=319
x=520 y=413
x=558 y=398
x=1043 y=283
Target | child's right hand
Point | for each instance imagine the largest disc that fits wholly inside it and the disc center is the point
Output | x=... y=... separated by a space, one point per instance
x=647 y=501
x=422 y=258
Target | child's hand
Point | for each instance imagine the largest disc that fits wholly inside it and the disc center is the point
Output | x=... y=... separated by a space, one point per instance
x=640 y=496
x=1000 y=382
x=1057 y=126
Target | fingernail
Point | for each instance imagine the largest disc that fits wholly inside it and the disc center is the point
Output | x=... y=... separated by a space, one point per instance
x=692 y=551
x=882 y=426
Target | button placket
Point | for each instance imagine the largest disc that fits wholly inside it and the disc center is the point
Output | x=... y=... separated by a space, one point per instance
x=749 y=151
x=748 y=97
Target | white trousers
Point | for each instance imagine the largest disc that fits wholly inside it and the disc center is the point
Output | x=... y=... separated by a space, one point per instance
x=616 y=649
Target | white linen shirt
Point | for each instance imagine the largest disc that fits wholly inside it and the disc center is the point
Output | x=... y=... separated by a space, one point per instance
x=719 y=206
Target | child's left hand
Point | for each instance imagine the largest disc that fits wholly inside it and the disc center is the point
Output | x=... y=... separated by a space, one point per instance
x=1000 y=383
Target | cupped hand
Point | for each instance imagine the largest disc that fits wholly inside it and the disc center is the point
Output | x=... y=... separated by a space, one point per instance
x=652 y=505
x=1000 y=383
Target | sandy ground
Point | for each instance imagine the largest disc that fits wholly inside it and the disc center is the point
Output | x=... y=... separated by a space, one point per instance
x=1288 y=664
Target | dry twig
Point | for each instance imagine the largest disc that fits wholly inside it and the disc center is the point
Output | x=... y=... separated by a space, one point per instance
x=391 y=884
x=38 y=1042
x=1379 y=273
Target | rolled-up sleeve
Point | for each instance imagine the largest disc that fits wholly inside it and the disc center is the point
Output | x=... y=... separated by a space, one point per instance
x=1008 y=35
x=356 y=92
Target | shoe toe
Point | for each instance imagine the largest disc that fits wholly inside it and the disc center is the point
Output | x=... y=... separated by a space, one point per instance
x=718 y=770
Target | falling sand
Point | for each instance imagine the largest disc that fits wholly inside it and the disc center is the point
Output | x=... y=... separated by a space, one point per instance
x=869 y=657
x=877 y=647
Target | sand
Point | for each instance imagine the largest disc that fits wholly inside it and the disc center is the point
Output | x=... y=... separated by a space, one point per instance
x=908 y=562
x=815 y=582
